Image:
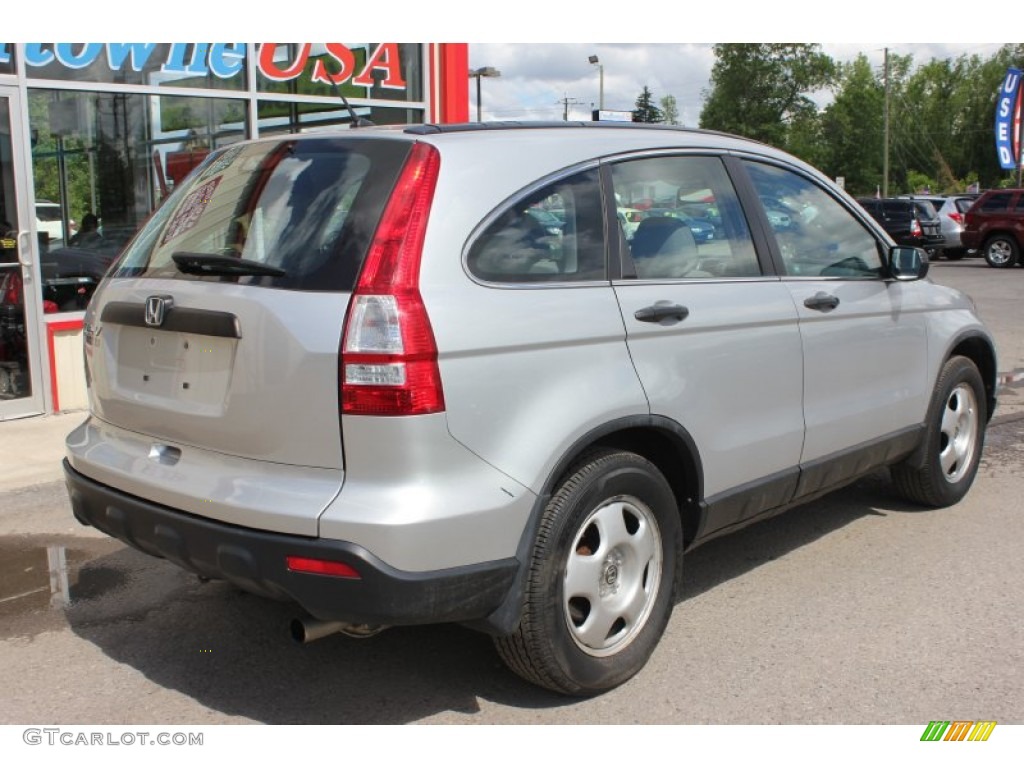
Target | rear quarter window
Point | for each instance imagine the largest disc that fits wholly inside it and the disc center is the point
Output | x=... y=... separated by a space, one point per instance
x=307 y=206
x=555 y=234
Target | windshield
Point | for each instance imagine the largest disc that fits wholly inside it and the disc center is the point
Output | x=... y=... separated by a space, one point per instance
x=306 y=208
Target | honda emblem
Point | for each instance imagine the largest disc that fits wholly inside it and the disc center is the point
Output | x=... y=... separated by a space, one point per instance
x=156 y=309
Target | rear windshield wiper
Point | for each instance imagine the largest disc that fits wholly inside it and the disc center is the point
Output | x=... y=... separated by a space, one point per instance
x=217 y=264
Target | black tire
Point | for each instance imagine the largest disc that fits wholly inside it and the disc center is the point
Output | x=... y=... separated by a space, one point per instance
x=600 y=586
x=954 y=254
x=1001 y=251
x=953 y=442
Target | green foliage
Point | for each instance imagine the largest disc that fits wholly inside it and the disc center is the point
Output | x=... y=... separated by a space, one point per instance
x=919 y=183
x=941 y=113
x=852 y=127
x=645 y=111
x=760 y=90
x=670 y=110
x=48 y=149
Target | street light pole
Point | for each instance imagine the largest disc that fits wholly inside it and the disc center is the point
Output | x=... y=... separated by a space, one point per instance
x=600 y=70
x=478 y=73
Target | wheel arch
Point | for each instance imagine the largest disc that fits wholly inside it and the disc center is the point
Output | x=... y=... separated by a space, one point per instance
x=660 y=440
x=1005 y=234
x=980 y=351
x=993 y=233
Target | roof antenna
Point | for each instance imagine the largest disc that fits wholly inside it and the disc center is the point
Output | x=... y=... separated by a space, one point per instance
x=357 y=121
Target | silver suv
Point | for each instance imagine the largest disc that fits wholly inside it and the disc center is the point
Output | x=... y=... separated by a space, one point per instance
x=355 y=371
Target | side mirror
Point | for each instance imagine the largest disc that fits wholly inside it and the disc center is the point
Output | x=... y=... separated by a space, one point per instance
x=906 y=263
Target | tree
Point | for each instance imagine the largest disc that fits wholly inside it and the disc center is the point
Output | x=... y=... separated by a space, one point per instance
x=758 y=90
x=645 y=111
x=670 y=110
x=852 y=124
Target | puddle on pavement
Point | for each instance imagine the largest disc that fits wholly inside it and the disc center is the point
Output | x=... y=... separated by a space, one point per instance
x=39 y=575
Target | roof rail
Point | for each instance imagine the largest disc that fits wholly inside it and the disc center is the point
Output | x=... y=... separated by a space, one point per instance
x=505 y=125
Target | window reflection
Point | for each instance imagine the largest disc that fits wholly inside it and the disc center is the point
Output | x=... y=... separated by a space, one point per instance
x=102 y=162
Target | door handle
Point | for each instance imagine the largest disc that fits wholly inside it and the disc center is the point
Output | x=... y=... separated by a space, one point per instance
x=24 y=241
x=824 y=302
x=661 y=310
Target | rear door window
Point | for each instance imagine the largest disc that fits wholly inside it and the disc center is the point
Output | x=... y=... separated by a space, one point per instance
x=689 y=223
x=307 y=207
x=997 y=202
x=896 y=210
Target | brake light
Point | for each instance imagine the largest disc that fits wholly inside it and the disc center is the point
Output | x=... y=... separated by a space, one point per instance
x=388 y=353
x=915 y=228
x=957 y=217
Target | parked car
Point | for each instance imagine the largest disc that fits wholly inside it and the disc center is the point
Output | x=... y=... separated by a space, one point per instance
x=50 y=222
x=994 y=225
x=950 y=210
x=336 y=369
x=908 y=221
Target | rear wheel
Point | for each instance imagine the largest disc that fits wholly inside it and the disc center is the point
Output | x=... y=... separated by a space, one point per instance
x=954 y=254
x=599 y=590
x=954 y=437
x=1001 y=251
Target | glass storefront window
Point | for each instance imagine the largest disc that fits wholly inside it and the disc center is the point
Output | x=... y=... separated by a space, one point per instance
x=180 y=65
x=295 y=117
x=102 y=162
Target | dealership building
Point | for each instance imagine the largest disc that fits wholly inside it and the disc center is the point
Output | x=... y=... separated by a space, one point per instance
x=93 y=136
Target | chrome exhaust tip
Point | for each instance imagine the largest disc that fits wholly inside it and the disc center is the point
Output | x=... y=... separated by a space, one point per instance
x=306 y=630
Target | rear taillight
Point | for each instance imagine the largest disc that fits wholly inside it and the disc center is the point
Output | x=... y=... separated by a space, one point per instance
x=915 y=228
x=957 y=217
x=388 y=353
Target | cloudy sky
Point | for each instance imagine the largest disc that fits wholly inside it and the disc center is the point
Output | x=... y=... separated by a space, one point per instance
x=537 y=78
x=541 y=47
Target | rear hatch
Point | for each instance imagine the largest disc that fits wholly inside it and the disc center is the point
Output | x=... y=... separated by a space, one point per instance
x=928 y=218
x=213 y=342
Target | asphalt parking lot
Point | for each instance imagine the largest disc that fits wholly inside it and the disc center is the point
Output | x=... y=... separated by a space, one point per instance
x=856 y=609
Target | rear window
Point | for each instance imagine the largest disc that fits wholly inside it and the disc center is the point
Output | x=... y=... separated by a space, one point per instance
x=306 y=206
x=897 y=210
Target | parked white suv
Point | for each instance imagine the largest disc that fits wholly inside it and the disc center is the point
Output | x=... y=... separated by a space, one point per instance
x=354 y=372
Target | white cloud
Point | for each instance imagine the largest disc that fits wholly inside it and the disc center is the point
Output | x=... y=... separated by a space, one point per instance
x=537 y=77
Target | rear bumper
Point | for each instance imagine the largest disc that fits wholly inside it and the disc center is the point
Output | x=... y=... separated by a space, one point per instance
x=254 y=561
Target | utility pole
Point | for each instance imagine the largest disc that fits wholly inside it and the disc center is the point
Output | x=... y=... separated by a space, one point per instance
x=565 y=101
x=885 y=129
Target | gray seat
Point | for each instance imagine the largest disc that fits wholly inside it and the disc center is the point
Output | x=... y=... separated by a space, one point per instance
x=663 y=246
